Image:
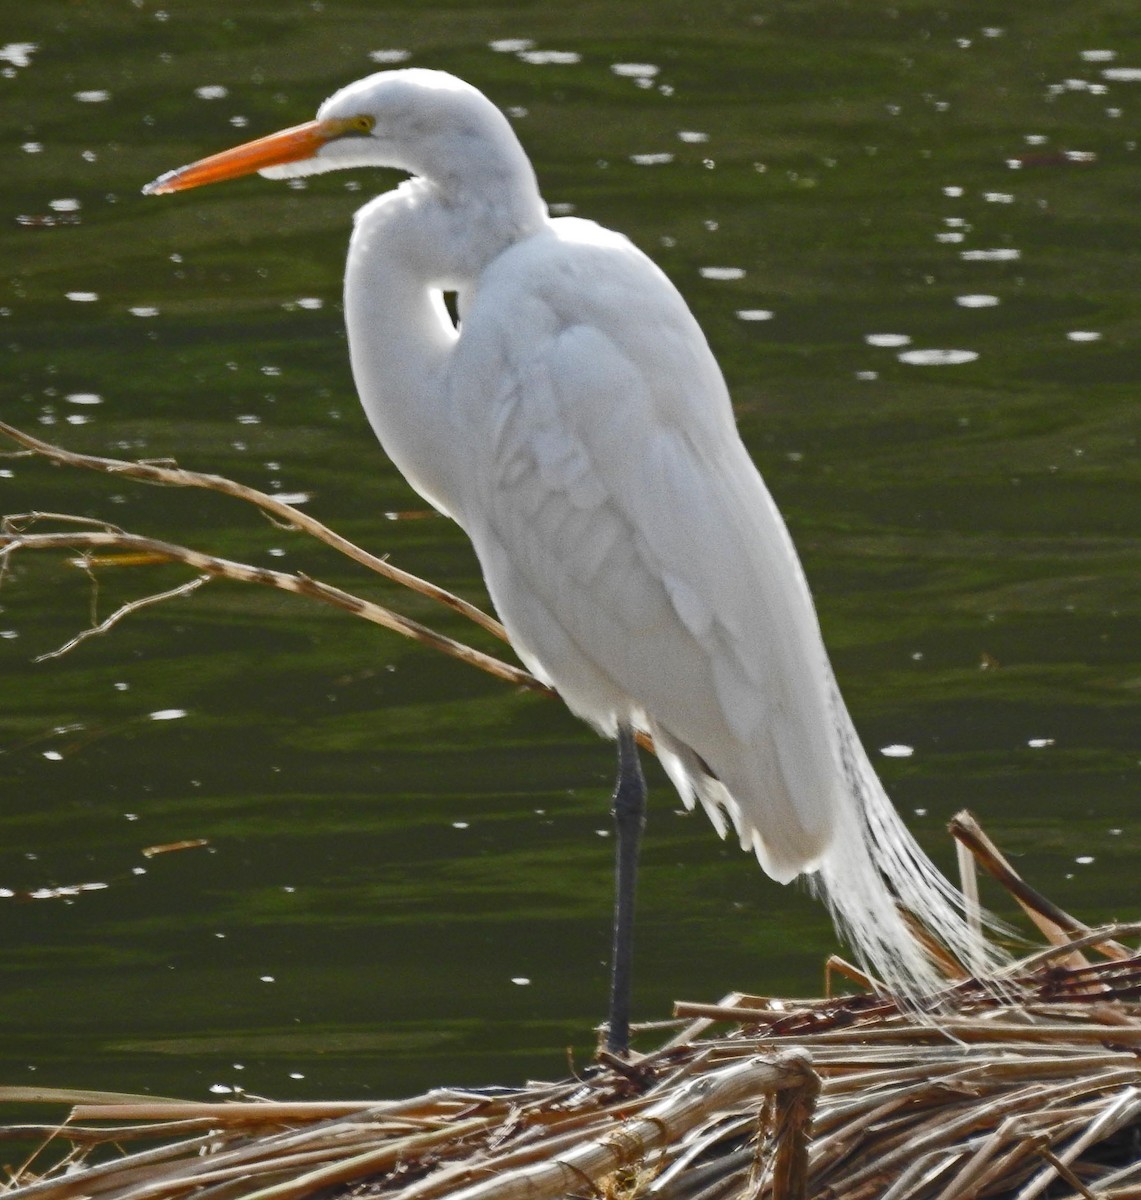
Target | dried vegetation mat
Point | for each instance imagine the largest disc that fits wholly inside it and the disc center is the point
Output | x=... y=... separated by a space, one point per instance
x=1025 y=1089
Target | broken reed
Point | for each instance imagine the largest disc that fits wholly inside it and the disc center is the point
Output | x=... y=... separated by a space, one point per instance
x=1007 y=1093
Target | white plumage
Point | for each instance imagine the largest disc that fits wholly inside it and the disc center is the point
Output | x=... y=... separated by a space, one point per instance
x=577 y=426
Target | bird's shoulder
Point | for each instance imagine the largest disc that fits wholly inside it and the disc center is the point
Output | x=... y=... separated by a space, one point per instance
x=587 y=274
x=577 y=325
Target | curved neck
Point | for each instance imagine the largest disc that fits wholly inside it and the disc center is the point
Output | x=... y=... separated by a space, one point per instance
x=409 y=247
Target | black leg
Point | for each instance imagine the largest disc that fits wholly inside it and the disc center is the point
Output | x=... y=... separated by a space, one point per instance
x=629 y=818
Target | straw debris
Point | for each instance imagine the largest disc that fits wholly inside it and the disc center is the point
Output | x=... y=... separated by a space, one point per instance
x=1026 y=1091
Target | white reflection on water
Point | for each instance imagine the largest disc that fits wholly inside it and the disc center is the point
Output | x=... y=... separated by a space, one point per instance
x=998 y=254
x=651 y=160
x=16 y=54
x=723 y=272
x=635 y=70
x=389 y=57
x=544 y=58
x=93 y=96
x=937 y=358
x=211 y=91
x=57 y=893
x=980 y=300
x=897 y=750
x=887 y=339
x=46 y=220
x=1122 y=74
x=755 y=314
x=1083 y=335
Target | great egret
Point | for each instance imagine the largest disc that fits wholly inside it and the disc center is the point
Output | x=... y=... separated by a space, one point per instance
x=576 y=424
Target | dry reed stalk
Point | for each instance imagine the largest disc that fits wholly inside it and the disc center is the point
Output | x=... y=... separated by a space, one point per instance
x=1122 y=1110
x=794 y=1110
x=1007 y=1093
x=99 y=1135
x=634 y=1141
x=154 y=550
x=269 y=1112
x=286 y=514
x=1056 y=924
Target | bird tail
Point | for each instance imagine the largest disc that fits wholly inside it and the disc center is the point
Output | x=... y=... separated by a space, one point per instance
x=877 y=883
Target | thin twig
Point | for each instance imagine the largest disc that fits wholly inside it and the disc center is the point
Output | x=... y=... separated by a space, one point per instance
x=125 y=610
x=172 y=476
x=298 y=584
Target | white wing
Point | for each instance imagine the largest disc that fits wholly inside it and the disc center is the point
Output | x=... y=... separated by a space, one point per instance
x=628 y=542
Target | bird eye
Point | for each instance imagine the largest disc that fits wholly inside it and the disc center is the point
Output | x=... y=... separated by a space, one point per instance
x=362 y=124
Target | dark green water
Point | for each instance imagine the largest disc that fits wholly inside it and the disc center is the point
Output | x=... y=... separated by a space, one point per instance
x=395 y=840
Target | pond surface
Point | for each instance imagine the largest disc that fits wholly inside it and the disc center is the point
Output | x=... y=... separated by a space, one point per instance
x=911 y=234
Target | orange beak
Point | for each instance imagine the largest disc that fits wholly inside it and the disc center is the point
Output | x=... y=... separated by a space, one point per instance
x=290 y=145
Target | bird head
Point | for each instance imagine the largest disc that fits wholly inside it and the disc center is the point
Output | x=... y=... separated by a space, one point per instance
x=424 y=122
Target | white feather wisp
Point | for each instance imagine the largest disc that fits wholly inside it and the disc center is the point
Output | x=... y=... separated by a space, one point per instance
x=878 y=884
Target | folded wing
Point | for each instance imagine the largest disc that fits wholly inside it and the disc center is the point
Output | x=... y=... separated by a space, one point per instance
x=630 y=546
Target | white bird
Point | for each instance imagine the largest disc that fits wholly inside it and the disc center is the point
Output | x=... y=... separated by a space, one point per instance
x=576 y=424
